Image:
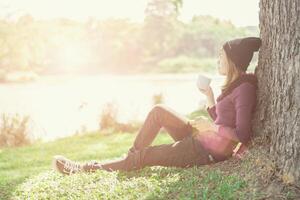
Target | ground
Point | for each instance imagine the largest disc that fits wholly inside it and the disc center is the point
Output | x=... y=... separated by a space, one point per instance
x=26 y=173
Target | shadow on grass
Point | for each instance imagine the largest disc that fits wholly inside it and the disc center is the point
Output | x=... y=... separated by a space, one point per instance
x=189 y=183
x=147 y=183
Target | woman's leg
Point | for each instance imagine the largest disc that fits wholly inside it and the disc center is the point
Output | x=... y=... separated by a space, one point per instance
x=162 y=116
x=180 y=154
x=184 y=153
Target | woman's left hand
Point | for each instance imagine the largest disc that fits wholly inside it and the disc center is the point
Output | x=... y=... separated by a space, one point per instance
x=240 y=151
x=207 y=92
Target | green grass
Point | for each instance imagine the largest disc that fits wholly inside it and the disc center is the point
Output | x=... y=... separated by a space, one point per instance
x=25 y=173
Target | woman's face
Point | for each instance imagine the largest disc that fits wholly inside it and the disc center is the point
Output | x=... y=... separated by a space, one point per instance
x=222 y=63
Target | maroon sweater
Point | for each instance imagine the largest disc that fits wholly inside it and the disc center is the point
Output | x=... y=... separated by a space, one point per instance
x=235 y=107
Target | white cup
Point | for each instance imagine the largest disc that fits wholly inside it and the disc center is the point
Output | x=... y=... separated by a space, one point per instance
x=203 y=82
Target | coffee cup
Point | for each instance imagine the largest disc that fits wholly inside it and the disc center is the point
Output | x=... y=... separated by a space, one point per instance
x=203 y=82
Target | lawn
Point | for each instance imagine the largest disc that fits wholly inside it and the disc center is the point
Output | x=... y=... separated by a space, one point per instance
x=26 y=173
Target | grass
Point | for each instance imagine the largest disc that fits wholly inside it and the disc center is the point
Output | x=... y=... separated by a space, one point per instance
x=25 y=173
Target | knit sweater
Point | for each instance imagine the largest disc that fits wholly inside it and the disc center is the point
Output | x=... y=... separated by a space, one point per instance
x=235 y=107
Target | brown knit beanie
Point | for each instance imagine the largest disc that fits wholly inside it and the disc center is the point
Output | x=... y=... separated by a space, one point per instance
x=241 y=50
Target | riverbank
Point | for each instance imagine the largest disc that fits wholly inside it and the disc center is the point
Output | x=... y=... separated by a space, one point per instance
x=25 y=173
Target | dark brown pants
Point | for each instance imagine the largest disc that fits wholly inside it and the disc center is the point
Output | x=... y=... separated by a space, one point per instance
x=186 y=151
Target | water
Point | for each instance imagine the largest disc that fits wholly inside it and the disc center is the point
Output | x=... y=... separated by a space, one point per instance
x=61 y=105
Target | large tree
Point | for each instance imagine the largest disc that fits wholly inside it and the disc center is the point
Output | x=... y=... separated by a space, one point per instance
x=278 y=71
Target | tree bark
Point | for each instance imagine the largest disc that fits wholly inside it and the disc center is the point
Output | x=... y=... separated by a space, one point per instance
x=277 y=116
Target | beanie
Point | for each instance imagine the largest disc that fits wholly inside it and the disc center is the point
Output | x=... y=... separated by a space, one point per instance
x=241 y=50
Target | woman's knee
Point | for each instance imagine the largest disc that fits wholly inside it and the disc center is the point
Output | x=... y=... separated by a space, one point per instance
x=158 y=108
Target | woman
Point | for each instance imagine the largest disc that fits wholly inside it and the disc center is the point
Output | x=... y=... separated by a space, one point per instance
x=232 y=122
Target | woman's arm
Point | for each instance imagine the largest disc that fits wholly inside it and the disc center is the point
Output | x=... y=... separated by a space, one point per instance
x=210 y=106
x=244 y=99
x=210 y=100
x=228 y=132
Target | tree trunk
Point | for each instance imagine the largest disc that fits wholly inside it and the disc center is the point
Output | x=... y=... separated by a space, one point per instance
x=277 y=115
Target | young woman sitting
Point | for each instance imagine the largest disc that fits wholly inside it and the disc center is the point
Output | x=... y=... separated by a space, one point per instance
x=210 y=143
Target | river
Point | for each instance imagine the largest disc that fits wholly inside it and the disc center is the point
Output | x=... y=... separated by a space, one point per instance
x=59 y=106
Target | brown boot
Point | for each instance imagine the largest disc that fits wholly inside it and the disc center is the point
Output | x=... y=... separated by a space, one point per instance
x=66 y=166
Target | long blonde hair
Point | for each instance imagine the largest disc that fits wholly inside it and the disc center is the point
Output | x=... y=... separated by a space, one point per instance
x=232 y=74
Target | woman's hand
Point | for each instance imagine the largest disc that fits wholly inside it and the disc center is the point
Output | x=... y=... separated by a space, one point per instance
x=210 y=96
x=207 y=92
x=240 y=151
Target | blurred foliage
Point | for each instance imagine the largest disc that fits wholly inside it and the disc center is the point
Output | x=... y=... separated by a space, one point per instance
x=186 y=64
x=114 y=45
x=157 y=98
x=14 y=130
x=108 y=117
x=109 y=121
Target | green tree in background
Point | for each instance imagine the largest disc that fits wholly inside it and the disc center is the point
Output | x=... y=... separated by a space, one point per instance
x=161 y=30
x=161 y=43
